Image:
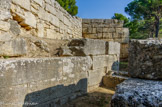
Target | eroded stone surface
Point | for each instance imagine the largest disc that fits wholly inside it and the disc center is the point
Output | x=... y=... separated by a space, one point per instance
x=145 y=59
x=138 y=93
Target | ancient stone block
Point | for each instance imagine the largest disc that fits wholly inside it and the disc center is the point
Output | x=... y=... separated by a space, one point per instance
x=5 y=9
x=40 y=27
x=13 y=96
x=16 y=47
x=29 y=20
x=95 y=77
x=136 y=92
x=14 y=27
x=5 y=26
x=113 y=62
x=100 y=61
x=40 y=2
x=113 y=47
x=21 y=71
x=85 y=47
x=145 y=59
x=24 y=4
x=50 y=9
x=75 y=68
x=5 y=36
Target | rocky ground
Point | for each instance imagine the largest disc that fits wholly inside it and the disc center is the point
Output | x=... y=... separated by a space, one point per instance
x=100 y=97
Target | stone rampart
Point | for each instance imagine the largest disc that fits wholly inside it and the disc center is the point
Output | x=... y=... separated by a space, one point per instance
x=108 y=30
x=41 y=18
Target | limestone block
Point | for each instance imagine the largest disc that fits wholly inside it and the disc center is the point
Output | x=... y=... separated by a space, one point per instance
x=29 y=20
x=13 y=96
x=5 y=26
x=23 y=3
x=52 y=34
x=54 y=20
x=113 y=47
x=50 y=9
x=40 y=27
x=89 y=46
x=108 y=30
x=111 y=81
x=21 y=71
x=113 y=62
x=99 y=30
x=95 y=77
x=138 y=93
x=145 y=59
x=5 y=36
x=107 y=35
x=86 y=21
x=100 y=61
x=75 y=68
x=16 y=47
x=48 y=1
x=42 y=13
x=14 y=27
x=5 y=9
x=40 y=2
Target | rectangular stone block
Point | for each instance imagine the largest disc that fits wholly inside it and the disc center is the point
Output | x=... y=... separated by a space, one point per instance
x=75 y=68
x=13 y=96
x=21 y=71
x=23 y=3
x=16 y=47
x=100 y=61
x=113 y=47
x=88 y=46
x=5 y=26
x=113 y=62
x=95 y=77
x=5 y=9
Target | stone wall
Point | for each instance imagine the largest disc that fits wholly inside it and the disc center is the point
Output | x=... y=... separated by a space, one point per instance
x=108 y=30
x=145 y=59
x=40 y=18
x=54 y=81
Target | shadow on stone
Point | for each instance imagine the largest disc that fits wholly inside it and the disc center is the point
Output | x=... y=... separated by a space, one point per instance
x=56 y=96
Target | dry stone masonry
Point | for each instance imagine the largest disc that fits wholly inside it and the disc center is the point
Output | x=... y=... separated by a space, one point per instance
x=44 y=60
x=108 y=30
x=54 y=81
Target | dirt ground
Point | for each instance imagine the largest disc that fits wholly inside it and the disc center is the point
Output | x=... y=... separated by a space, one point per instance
x=100 y=97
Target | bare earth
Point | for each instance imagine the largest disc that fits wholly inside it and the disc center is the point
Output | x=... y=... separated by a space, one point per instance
x=100 y=97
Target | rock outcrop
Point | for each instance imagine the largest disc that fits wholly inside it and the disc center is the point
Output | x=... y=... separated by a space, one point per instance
x=138 y=93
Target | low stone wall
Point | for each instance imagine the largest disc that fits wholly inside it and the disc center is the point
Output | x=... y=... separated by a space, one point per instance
x=145 y=59
x=41 y=18
x=54 y=81
x=108 y=30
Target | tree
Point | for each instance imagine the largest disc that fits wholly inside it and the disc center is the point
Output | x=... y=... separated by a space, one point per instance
x=148 y=10
x=121 y=17
x=69 y=6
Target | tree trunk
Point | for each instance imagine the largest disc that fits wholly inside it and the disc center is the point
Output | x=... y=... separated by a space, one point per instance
x=157 y=26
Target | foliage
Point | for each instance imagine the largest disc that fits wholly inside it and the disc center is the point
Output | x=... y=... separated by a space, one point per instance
x=69 y=6
x=121 y=17
x=150 y=11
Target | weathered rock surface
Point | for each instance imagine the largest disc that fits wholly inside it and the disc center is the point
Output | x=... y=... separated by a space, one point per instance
x=138 y=93
x=84 y=47
x=145 y=59
x=16 y=47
